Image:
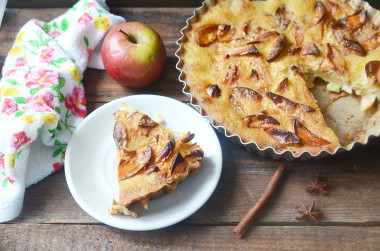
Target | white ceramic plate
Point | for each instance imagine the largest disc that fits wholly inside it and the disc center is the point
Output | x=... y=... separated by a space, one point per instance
x=91 y=172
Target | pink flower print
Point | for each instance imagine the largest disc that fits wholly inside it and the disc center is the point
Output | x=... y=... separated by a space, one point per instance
x=10 y=180
x=42 y=78
x=89 y=52
x=91 y=5
x=55 y=34
x=46 y=54
x=19 y=139
x=9 y=106
x=76 y=102
x=57 y=166
x=20 y=62
x=85 y=18
x=10 y=72
x=2 y=162
x=40 y=103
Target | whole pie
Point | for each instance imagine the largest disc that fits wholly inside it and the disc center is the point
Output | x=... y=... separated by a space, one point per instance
x=250 y=64
x=150 y=160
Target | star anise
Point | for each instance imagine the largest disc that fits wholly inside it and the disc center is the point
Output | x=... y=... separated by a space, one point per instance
x=317 y=186
x=308 y=214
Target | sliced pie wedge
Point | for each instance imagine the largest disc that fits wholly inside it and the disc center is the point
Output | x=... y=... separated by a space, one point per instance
x=150 y=159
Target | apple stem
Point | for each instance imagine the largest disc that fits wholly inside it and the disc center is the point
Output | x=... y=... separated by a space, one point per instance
x=129 y=36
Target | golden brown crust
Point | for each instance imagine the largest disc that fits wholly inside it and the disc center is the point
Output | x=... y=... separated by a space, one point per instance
x=287 y=39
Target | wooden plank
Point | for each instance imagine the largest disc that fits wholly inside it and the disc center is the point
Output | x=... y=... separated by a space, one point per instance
x=111 y=3
x=353 y=197
x=99 y=237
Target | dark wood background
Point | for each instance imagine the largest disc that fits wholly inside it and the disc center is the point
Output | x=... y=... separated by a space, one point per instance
x=51 y=219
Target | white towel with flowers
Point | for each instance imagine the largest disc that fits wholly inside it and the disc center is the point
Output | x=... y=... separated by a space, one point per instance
x=42 y=99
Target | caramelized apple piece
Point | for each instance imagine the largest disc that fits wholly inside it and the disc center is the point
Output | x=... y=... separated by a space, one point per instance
x=282 y=85
x=120 y=134
x=310 y=49
x=333 y=61
x=299 y=34
x=209 y=34
x=177 y=159
x=196 y=153
x=248 y=50
x=232 y=74
x=133 y=166
x=165 y=153
x=353 y=22
x=372 y=70
x=306 y=136
x=187 y=138
x=319 y=13
x=344 y=38
x=283 y=136
x=260 y=120
x=277 y=47
x=213 y=91
x=146 y=122
x=282 y=17
x=371 y=43
x=246 y=94
x=254 y=75
x=287 y=104
x=151 y=169
x=297 y=71
x=293 y=49
x=336 y=9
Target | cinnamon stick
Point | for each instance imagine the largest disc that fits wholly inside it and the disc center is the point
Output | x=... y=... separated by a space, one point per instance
x=252 y=215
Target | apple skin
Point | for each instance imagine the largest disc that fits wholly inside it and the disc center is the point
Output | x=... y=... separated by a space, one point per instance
x=133 y=54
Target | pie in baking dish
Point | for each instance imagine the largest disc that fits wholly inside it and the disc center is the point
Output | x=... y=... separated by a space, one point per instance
x=250 y=64
x=150 y=159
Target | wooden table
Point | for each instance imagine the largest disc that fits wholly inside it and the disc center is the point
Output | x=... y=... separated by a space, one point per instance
x=51 y=219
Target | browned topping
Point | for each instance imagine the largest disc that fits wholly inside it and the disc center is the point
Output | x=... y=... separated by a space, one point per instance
x=232 y=74
x=317 y=186
x=353 y=22
x=151 y=169
x=165 y=153
x=141 y=161
x=283 y=136
x=120 y=134
x=297 y=71
x=294 y=49
x=277 y=47
x=282 y=17
x=287 y=104
x=282 y=85
x=310 y=49
x=246 y=93
x=266 y=36
x=308 y=214
x=259 y=120
x=189 y=137
x=254 y=75
x=177 y=159
x=213 y=91
x=146 y=122
x=306 y=136
x=344 y=38
x=333 y=61
x=209 y=34
x=198 y=153
x=248 y=50
x=371 y=43
x=319 y=12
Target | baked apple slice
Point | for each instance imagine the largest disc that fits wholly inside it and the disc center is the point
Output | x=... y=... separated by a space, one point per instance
x=150 y=159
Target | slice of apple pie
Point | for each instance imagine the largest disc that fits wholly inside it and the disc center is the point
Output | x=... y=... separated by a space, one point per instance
x=150 y=159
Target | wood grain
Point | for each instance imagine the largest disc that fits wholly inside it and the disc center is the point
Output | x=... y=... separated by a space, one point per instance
x=99 y=237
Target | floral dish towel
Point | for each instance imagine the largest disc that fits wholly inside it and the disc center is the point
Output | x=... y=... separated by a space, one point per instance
x=42 y=98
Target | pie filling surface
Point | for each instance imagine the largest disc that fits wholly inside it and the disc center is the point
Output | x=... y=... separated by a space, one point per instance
x=150 y=160
x=250 y=64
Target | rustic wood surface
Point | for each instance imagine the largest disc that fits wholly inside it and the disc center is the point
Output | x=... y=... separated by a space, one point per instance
x=52 y=220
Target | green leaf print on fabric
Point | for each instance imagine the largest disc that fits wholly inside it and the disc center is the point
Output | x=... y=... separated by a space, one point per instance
x=20 y=100
x=12 y=81
x=64 y=24
x=86 y=41
x=34 y=43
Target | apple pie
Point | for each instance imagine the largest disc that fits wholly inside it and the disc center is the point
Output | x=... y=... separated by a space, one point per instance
x=250 y=64
x=150 y=159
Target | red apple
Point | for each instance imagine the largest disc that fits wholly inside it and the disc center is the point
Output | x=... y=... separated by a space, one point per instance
x=133 y=54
